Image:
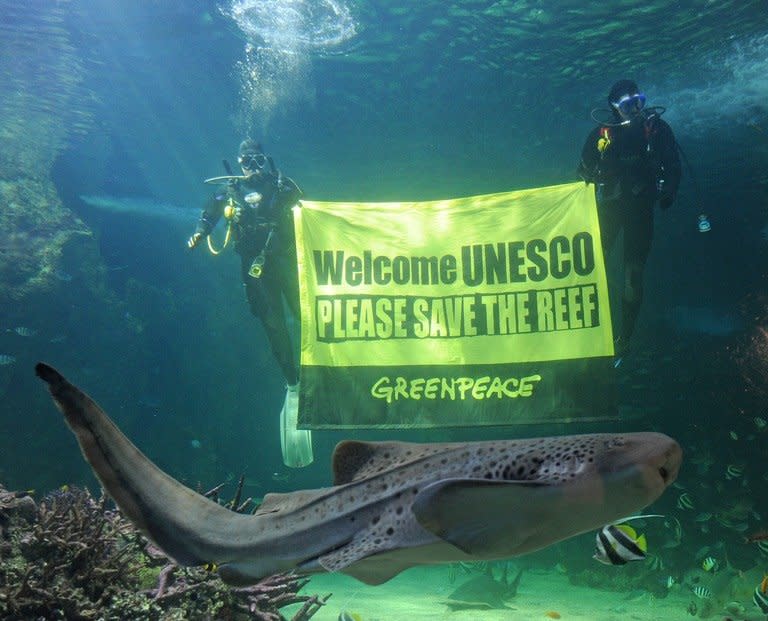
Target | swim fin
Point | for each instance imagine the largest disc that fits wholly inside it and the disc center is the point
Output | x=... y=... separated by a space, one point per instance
x=296 y=444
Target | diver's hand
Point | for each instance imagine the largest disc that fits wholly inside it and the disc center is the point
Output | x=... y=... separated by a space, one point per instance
x=237 y=213
x=194 y=240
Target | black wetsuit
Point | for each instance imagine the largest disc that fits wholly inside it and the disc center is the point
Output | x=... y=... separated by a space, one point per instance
x=251 y=237
x=633 y=167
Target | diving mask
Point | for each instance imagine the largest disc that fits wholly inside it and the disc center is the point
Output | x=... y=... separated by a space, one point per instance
x=252 y=161
x=629 y=105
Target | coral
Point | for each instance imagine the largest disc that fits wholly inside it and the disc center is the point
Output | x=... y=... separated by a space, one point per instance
x=69 y=562
x=49 y=257
x=73 y=557
x=180 y=587
x=45 y=103
x=15 y=504
x=44 y=106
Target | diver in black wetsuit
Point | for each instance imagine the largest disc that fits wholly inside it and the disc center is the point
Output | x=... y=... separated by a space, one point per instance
x=258 y=207
x=633 y=161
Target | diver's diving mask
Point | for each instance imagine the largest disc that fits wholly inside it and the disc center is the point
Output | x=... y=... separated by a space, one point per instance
x=252 y=161
x=630 y=104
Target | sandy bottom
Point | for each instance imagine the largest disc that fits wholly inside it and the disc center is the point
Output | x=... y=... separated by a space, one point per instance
x=417 y=595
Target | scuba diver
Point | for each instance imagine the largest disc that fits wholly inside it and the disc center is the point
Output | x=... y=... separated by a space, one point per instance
x=632 y=158
x=258 y=209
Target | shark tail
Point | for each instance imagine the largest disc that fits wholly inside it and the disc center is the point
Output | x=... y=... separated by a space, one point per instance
x=185 y=525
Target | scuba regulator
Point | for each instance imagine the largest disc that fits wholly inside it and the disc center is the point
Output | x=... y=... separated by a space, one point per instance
x=232 y=203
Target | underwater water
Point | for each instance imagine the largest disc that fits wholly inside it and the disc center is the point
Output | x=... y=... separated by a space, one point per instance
x=116 y=112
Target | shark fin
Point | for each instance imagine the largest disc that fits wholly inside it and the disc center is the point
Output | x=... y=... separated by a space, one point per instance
x=486 y=517
x=354 y=460
x=352 y=559
x=355 y=550
x=376 y=572
x=349 y=458
x=276 y=502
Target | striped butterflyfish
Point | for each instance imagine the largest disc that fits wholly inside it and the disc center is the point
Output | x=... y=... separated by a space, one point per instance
x=760 y=597
x=617 y=544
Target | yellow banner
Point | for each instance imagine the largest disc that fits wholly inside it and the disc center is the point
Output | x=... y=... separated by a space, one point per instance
x=515 y=279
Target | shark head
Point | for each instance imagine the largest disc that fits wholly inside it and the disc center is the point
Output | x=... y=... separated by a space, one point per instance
x=636 y=468
x=544 y=490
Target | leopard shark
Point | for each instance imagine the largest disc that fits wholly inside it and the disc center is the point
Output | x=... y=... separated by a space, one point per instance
x=392 y=505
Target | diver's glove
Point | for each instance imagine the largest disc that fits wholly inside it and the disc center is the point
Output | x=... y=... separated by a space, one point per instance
x=196 y=238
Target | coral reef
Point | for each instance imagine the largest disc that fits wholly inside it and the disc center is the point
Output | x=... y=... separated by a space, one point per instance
x=73 y=557
x=43 y=107
x=53 y=282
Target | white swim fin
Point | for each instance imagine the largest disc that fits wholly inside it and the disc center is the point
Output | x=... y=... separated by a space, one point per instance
x=296 y=444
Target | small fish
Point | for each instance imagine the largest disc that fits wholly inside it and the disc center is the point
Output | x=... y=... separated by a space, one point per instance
x=761 y=535
x=734 y=435
x=654 y=562
x=710 y=564
x=677 y=530
x=59 y=338
x=617 y=544
x=702 y=592
x=762 y=545
x=349 y=616
x=684 y=501
x=703 y=463
x=6 y=359
x=760 y=597
x=23 y=331
x=670 y=582
x=195 y=444
x=733 y=471
x=760 y=422
x=703 y=517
